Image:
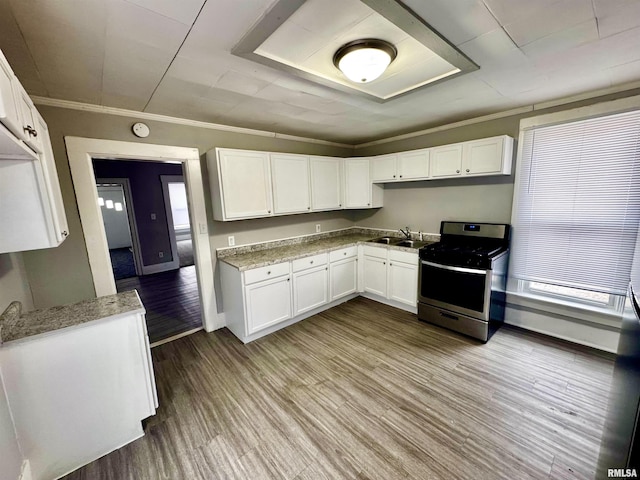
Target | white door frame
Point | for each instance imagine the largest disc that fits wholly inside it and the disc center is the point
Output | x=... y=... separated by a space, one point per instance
x=166 y=180
x=81 y=152
x=131 y=218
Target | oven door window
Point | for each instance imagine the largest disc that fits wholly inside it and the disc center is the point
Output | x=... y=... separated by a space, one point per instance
x=462 y=289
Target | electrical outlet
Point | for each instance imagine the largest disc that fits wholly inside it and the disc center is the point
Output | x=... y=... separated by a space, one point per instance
x=232 y=240
x=153 y=216
x=317 y=228
x=161 y=254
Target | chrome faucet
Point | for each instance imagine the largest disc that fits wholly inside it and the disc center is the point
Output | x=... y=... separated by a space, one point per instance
x=407 y=234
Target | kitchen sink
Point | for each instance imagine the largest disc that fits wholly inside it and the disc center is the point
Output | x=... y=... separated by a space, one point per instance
x=406 y=243
x=385 y=240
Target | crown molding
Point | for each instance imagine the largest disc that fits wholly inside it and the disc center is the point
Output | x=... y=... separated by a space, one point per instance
x=87 y=107
x=121 y=112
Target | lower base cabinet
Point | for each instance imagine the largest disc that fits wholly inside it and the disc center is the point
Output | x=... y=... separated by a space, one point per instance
x=268 y=303
x=390 y=274
x=78 y=393
x=310 y=289
x=343 y=272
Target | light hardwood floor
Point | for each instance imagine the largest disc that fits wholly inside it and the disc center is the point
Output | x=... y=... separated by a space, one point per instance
x=365 y=391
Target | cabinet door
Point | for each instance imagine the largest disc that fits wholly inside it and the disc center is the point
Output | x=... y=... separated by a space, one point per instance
x=27 y=112
x=9 y=115
x=290 y=179
x=50 y=174
x=374 y=273
x=413 y=165
x=310 y=289
x=483 y=156
x=246 y=183
x=326 y=183
x=343 y=277
x=446 y=161
x=268 y=303
x=403 y=282
x=357 y=183
x=383 y=168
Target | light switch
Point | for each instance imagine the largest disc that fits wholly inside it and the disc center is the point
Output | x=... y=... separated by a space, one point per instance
x=203 y=228
x=153 y=216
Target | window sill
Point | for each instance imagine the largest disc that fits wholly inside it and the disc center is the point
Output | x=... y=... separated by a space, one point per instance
x=582 y=312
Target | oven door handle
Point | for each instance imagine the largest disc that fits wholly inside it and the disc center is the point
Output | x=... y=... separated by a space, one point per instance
x=455 y=269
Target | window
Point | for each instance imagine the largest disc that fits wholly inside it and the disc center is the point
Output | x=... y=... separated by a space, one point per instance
x=577 y=210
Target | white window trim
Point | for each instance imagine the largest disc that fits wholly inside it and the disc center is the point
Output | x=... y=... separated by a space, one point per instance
x=516 y=295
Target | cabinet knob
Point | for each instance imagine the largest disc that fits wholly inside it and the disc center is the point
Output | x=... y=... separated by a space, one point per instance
x=340 y=205
x=269 y=272
x=311 y=262
x=30 y=130
x=308 y=208
x=457 y=171
x=345 y=253
x=64 y=233
x=390 y=264
x=384 y=263
x=468 y=170
x=394 y=176
x=268 y=211
x=400 y=176
x=326 y=268
x=368 y=204
x=288 y=279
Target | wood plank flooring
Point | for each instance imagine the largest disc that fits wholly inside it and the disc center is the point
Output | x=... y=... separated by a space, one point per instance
x=171 y=300
x=366 y=391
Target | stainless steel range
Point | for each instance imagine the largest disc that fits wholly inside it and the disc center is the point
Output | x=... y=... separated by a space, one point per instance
x=463 y=278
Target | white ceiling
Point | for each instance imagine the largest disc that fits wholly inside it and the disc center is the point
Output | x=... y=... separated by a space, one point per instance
x=173 y=58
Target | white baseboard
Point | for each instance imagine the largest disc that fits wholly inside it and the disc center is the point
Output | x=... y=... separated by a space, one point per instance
x=592 y=335
x=25 y=471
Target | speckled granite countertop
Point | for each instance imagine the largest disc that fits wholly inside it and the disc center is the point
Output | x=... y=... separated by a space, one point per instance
x=255 y=256
x=15 y=326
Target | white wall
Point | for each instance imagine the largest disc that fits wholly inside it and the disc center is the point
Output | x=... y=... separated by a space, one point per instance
x=116 y=223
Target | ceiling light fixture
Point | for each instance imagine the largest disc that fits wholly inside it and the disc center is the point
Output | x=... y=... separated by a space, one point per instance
x=363 y=61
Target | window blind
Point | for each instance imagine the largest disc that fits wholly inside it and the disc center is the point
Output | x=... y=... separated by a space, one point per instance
x=577 y=204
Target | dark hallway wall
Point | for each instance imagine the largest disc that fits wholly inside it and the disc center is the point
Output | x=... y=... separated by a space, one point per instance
x=146 y=190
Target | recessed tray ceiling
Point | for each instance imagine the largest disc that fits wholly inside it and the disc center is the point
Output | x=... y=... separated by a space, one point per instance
x=302 y=37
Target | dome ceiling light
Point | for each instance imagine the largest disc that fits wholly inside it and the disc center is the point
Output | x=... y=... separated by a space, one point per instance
x=362 y=61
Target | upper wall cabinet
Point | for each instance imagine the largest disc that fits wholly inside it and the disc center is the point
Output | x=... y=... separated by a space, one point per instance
x=404 y=166
x=359 y=192
x=290 y=180
x=488 y=156
x=240 y=184
x=32 y=214
x=326 y=183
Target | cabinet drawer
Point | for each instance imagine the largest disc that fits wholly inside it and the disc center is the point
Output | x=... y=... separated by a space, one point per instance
x=265 y=273
x=343 y=253
x=405 y=257
x=309 y=262
x=371 y=251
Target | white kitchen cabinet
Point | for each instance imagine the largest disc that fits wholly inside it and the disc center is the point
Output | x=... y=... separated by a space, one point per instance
x=80 y=392
x=27 y=113
x=359 y=191
x=413 y=165
x=310 y=286
x=343 y=272
x=326 y=183
x=402 y=278
x=383 y=168
x=390 y=276
x=446 y=161
x=290 y=181
x=375 y=275
x=32 y=214
x=9 y=115
x=268 y=303
x=488 y=156
x=240 y=184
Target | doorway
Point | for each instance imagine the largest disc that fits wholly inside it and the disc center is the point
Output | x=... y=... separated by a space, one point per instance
x=144 y=205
